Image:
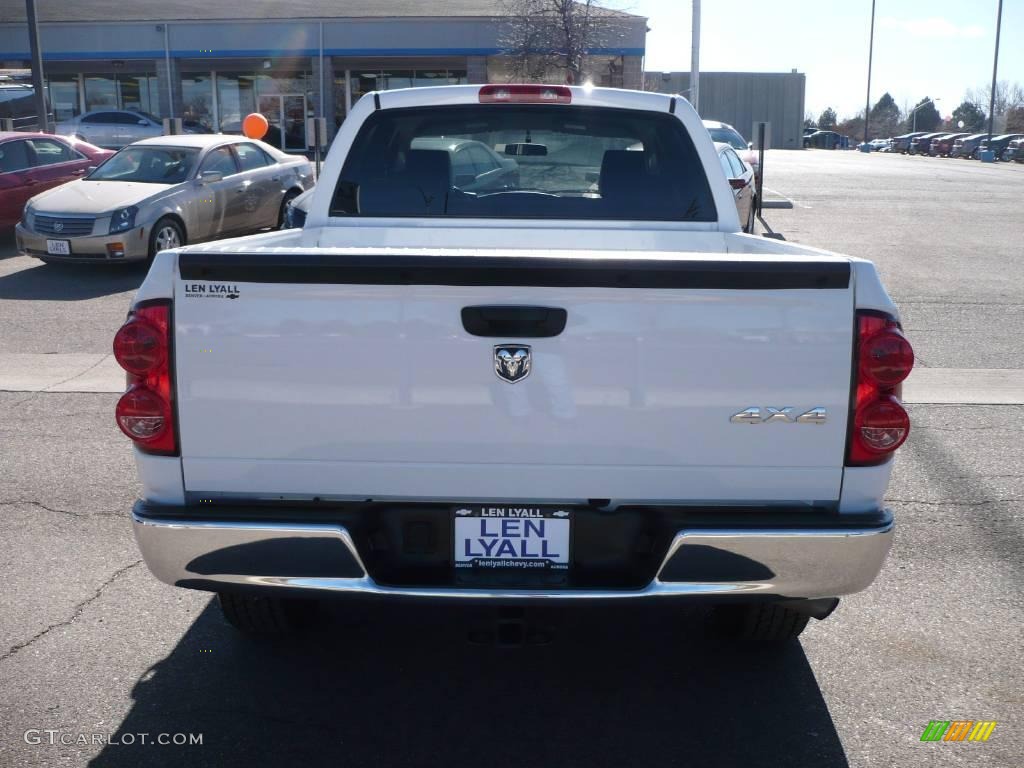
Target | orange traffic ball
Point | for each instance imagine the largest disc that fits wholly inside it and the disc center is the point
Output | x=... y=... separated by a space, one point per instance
x=255 y=126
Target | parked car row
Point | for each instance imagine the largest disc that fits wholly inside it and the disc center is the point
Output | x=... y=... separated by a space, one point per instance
x=965 y=145
x=825 y=140
x=154 y=194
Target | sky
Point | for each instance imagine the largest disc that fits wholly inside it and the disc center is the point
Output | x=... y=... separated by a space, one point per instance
x=936 y=48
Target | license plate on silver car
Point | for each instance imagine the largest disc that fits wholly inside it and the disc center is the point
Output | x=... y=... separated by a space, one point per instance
x=493 y=538
x=58 y=247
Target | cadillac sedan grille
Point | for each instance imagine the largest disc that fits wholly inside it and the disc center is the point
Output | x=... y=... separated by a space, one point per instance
x=64 y=227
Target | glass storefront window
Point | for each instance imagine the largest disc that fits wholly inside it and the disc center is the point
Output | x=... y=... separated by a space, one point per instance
x=280 y=97
x=64 y=97
x=100 y=92
x=364 y=81
x=424 y=77
x=197 y=101
x=236 y=97
x=392 y=79
x=339 y=101
x=122 y=91
x=139 y=92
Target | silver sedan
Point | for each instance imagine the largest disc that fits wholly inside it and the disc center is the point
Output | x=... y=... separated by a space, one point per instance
x=160 y=193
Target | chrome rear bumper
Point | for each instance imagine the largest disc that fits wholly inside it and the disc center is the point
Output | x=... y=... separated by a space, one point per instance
x=322 y=557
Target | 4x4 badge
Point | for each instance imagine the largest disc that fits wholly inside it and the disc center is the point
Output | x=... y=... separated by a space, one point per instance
x=769 y=415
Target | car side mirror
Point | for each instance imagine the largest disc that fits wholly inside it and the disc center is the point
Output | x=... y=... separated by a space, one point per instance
x=750 y=145
x=210 y=177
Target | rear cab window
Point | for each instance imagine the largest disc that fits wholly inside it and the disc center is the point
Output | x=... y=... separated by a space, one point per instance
x=524 y=161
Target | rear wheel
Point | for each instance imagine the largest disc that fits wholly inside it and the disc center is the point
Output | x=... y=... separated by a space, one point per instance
x=290 y=195
x=259 y=615
x=759 y=623
x=166 y=234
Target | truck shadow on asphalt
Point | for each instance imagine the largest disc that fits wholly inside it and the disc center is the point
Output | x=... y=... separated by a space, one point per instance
x=443 y=685
x=71 y=282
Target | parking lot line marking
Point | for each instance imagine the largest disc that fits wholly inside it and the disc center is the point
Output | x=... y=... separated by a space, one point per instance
x=965 y=386
x=69 y=372
x=783 y=202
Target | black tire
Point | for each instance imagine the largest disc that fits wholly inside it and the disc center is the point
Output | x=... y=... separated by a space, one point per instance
x=159 y=238
x=751 y=218
x=759 y=623
x=290 y=195
x=259 y=615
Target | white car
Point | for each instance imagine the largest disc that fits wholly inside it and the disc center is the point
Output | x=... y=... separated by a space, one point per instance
x=588 y=385
x=741 y=181
x=112 y=128
x=726 y=134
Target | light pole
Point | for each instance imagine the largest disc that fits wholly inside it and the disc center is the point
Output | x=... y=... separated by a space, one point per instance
x=37 y=66
x=922 y=104
x=695 y=56
x=871 y=52
x=992 y=95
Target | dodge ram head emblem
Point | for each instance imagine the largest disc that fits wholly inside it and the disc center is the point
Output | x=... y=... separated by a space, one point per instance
x=512 y=362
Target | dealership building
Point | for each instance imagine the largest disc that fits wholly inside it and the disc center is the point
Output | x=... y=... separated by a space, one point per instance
x=743 y=99
x=288 y=60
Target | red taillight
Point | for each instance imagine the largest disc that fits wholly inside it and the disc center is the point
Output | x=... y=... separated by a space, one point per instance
x=143 y=348
x=139 y=347
x=525 y=94
x=143 y=415
x=884 y=358
x=882 y=425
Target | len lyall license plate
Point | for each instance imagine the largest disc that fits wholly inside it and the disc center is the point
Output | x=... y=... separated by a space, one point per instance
x=492 y=537
x=58 y=247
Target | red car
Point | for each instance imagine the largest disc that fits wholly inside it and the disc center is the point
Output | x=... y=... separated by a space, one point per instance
x=31 y=163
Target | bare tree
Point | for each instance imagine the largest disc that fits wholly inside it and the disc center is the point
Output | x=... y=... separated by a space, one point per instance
x=1008 y=97
x=545 y=40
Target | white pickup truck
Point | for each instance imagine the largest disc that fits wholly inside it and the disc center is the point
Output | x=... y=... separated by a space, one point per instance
x=519 y=351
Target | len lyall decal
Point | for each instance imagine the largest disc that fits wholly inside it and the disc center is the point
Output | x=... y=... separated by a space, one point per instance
x=211 y=291
x=958 y=730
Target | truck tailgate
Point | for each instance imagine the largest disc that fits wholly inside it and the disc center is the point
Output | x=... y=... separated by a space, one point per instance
x=351 y=375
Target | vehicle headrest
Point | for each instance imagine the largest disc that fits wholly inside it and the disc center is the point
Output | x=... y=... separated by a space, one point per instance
x=429 y=163
x=420 y=189
x=621 y=170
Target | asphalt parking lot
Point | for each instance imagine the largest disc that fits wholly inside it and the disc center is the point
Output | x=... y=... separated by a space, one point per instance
x=90 y=643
